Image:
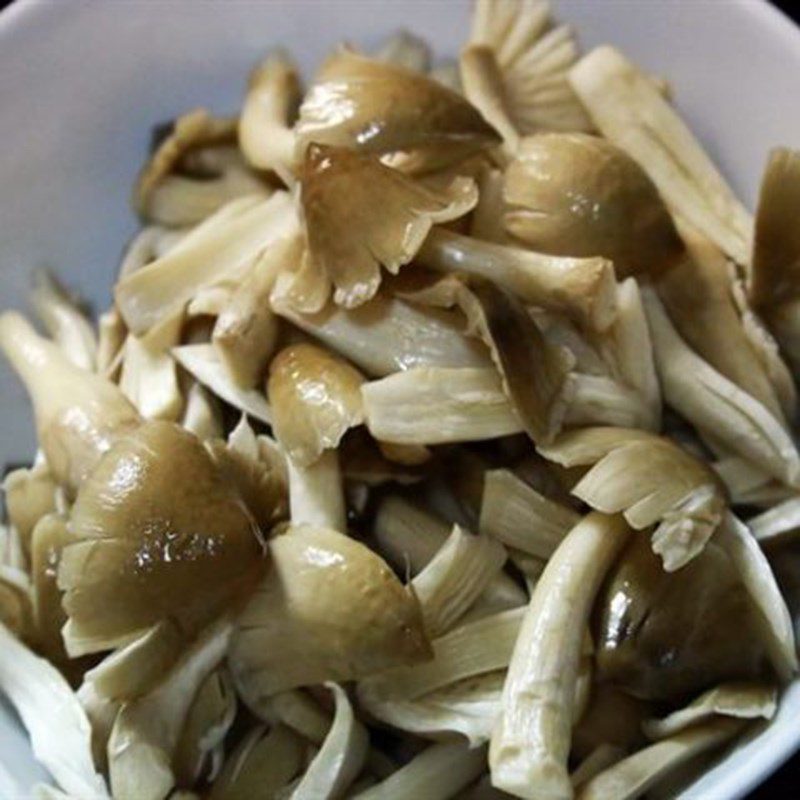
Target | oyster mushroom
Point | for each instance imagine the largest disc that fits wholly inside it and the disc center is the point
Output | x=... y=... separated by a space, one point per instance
x=159 y=533
x=666 y=636
x=270 y=108
x=286 y=635
x=377 y=107
x=572 y=194
x=361 y=215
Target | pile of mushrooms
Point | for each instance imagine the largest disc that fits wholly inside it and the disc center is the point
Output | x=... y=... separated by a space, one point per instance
x=439 y=442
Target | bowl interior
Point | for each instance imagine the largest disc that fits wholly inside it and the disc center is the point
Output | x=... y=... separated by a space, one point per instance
x=82 y=84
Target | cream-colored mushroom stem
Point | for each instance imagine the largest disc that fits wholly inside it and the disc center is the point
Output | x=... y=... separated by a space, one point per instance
x=78 y=413
x=65 y=321
x=634 y=775
x=631 y=112
x=713 y=404
x=582 y=288
x=531 y=742
x=438 y=773
x=265 y=134
x=316 y=493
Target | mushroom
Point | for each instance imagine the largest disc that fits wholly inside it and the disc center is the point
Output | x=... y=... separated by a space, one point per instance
x=160 y=535
x=571 y=194
x=533 y=56
x=666 y=636
x=381 y=108
x=194 y=172
x=315 y=397
x=287 y=637
x=269 y=111
x=361 y=215
x=223 y=247
x=650 y=480
x=78 y=414
x=531 y=742
x=389 y=334
x=630 y=111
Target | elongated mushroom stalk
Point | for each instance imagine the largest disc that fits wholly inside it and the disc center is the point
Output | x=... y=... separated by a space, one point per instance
x=716 y=406
x=223 y=247
x=533 y=56
x=630 y=111
x=441 y=771
x=362 y=215
x=699 y=296
x=531 y=742
x=468 y=707
x=755 y=572
x=667 y=636
x=147 y=731
x=651 y=481
x=743 y=700
x=246 y=330
x=434 y=406
x=78 y=414
x=571 y=194
x=474 y=648
x=287 y=637
x=194 y=171
x=160 y=535
x=635 y=775
x=582 y=288
x=65 y=321
x=388 y=334
x=269 y=111
x=520 y=517
x=377 y=107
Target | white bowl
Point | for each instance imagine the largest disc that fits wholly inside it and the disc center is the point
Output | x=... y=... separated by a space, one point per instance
x=82 y=83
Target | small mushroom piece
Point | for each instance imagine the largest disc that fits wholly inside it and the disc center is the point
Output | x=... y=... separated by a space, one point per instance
x=631 y=112
x=160 y=535
x=78 y=414
x=315 y=398
x=377 y=107
x=269 y=111
x=651 y=480
x=571 y=194
x=194 y=171
x=361 y=215
x=65 y=320
x=30 y=494
x=221 y=248
x=535 y=373
x=666 y=636
x=287 y=636
x=533 y=56
x=246 y=331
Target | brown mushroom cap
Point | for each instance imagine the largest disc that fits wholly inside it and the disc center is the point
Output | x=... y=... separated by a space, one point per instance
x=161 y=535
x=578 y=195
x=669 y=636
